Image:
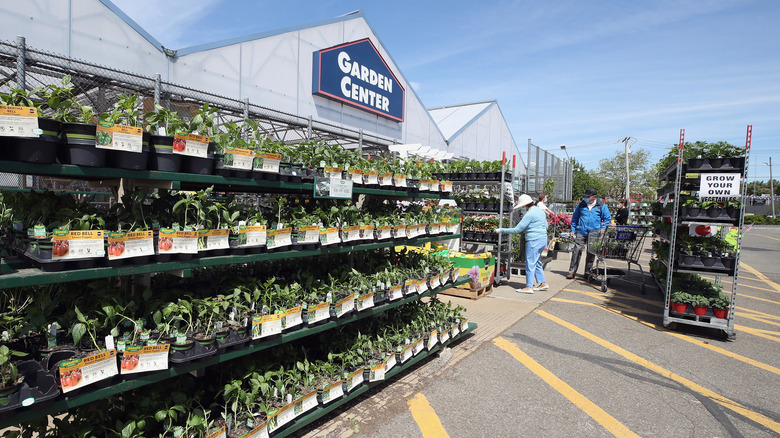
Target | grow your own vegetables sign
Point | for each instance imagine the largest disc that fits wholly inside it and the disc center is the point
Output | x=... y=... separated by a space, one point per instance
x=719 y=186
x=356 y=74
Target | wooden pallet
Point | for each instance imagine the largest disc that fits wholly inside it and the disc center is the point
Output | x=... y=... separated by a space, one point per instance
x=473 y=294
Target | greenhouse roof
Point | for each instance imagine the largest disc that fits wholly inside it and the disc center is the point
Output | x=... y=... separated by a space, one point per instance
x=453 y=119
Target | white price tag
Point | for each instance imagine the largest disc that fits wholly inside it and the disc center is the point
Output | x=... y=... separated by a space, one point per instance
x=366 y=302
x=333 y=392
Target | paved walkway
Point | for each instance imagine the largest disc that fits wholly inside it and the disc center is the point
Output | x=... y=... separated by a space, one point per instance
x=493 y=313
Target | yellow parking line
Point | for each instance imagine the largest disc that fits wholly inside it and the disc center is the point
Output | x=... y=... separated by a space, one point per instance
x=756 y=287
x=759 y=319
x=756 y=332
x=768 y=237
x=760 y=276
x=721 y=400
x=739 y=357
x=601 y=416
x=426 y=417
x=762 y=314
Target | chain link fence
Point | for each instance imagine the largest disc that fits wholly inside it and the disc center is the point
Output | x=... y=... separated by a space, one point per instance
x=97 y=86
x=542 y=167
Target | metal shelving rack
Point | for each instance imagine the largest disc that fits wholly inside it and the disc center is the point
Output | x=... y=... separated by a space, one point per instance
x=506 y=253
x=676 y=171
x=18 y=273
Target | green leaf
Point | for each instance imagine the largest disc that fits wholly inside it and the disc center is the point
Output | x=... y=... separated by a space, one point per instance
x=161 y=415
x=78 y=331
x=129 y=429
x=79 y=315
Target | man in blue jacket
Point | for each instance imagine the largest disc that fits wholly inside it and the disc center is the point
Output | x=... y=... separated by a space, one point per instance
x=590 y=214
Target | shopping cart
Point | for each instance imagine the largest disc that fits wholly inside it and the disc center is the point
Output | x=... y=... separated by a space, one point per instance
x=618 y=242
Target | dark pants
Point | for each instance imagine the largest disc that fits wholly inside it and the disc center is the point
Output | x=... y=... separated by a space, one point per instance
x=580 y=244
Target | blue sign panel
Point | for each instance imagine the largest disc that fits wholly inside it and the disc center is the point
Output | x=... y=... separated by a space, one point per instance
x=355 y=73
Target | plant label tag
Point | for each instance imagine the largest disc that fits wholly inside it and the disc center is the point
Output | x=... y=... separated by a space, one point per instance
x=260 y=431
x=345 y=306
x=384 y=232
x=255 y=235
x=377 y=373
x=68 y=245
x=355 y=379
x=357 y=176
x=329 y=236
x=285 y=415
x=138 y=359
x=127 y=245
x=350 y=233
x=218 y=433
x=309 y=234
x=455 y=330
x=446 y=186
x=305 y=403
x=434 y=185
x=435 y=282
x=109 y=342
x=396 y=292
x=118 y=137
x=215 y=239
x=77 y=373
x=444 y=336
x=419 y=346
x=372 y=177
x=318 y=313
x=18 y=121
x=433 y=339
x=386 y=179
x=366 y=301
x=422 y=286
x=267 y=325
x=279 y=238
x=178 y=242
x=400 y=180
x=191 y=145
x=411 y=287
x=464 y=325
x=236 y=158
x=333 y=392
x=390 y=362
x=268 y=163
x=292 y=317
x=455 y=274
x=407 y=353
x=332 y=172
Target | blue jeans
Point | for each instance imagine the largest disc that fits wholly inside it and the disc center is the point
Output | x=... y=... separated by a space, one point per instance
x=533 y=261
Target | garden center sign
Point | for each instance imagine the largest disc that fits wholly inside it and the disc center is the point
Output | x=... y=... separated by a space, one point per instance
x=356 y=74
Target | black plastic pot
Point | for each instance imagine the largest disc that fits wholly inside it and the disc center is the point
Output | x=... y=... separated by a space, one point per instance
x=41 y=149
x=735 y=162
x=162 y=156
x=713 y=212
x=716 y=163
x=733 y=212
x=133 y=160
x=78 y=146
x=708 y=261
x=686 y=260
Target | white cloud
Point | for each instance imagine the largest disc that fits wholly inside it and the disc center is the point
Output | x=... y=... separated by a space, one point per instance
x=171 y=22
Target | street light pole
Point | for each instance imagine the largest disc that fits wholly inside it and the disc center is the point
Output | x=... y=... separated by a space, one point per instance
x=628 y=177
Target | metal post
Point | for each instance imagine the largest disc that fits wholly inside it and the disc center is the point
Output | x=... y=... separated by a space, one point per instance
x=157 y=89
x=20 y=62
x=528 y=169
x=360 y=141
x=628 y=175
x=771 y=187
x=308 y=134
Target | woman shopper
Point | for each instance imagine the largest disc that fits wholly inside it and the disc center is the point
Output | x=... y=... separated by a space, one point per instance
x=621 y=216
x=541 y=204
x=534 y=223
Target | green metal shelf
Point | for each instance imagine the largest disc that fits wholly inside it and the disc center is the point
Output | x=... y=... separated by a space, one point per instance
x=34 y=276
x=86 y=396
x=320 y=411
x=188 y=180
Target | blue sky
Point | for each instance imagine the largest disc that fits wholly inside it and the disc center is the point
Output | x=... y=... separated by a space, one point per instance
x=584 y=73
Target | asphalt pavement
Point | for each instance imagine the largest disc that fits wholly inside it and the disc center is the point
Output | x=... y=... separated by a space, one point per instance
x=575 y=361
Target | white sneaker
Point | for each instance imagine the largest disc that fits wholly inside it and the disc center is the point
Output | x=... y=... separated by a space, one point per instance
x=525 y=290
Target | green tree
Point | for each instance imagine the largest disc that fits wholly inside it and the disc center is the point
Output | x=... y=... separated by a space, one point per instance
x=582 y=180
x=612 y=174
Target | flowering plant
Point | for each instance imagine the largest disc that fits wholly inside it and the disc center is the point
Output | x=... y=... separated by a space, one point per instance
x=559 y=223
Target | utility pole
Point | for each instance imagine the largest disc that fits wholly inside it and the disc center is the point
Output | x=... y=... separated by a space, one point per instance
x=628 y=178
x=771 y=188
